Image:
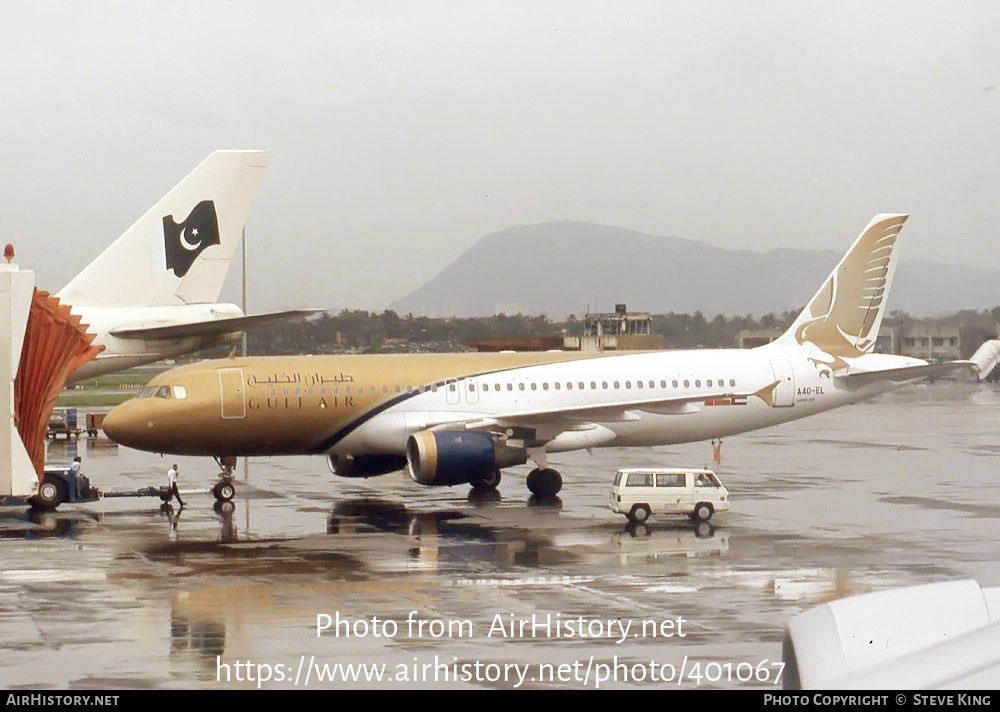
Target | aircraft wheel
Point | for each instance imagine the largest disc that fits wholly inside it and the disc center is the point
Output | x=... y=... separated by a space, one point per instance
x=488 y=483
x=224 y=491
x=703 y=511
x=532 y=481
x=547 y=483
x=51 y=493
x=639 y=513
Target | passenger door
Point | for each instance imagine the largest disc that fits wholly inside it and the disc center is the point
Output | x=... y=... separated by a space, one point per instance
x=784 y=392
x=232 y=394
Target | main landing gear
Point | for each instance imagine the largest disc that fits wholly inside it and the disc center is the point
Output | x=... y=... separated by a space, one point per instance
x=544 y=482
x=224 y=490
x=486 y=484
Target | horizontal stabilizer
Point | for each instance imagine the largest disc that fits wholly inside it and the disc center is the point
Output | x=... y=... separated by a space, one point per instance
x=212 y=326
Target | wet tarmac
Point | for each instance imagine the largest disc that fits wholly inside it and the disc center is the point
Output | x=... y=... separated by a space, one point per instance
x=121 y=593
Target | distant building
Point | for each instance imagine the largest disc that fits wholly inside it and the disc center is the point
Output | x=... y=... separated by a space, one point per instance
x=752 y=338
x=619 y=330
x=933 y=342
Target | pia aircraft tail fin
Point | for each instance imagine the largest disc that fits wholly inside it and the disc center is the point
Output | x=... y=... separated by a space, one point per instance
x=179 y=251
x=844 y=316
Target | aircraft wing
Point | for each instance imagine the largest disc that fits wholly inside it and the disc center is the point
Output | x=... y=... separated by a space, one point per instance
x=609 y=412
x=210 y=327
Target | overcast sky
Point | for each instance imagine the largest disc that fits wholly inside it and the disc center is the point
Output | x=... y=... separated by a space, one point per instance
x=402 y=132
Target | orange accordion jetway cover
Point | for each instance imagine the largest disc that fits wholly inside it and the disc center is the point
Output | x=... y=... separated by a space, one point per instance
x=55 y=345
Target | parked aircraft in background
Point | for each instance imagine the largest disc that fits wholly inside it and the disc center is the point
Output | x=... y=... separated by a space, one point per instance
x=461 y=418
x=152 y=293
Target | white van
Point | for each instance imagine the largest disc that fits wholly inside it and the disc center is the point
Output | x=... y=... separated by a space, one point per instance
x=638 y=492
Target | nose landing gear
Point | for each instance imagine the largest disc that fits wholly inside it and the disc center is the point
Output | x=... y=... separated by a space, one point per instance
x=224 y=490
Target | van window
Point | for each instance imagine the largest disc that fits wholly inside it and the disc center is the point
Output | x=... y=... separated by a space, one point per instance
x=639 y=479
x=618 y=478
x=668 y=480
x=705 y=480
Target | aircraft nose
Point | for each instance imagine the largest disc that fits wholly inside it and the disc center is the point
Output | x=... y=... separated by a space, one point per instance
x=121 y=426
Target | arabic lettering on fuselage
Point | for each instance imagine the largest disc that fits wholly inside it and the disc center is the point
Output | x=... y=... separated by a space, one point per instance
x=309 y=379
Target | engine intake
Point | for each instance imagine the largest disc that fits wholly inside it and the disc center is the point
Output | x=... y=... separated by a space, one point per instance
x=457 y=457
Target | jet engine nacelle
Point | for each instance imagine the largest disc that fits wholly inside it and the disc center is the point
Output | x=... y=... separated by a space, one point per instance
x=934 y=636
x=457 y=457
x=364 y=465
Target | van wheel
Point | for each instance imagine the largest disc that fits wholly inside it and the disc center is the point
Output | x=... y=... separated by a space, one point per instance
x=639 y=513
x=703 y=511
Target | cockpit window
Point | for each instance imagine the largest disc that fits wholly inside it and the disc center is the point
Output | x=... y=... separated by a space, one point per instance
x=180 y=392
x=162 y=392
x=147 y=392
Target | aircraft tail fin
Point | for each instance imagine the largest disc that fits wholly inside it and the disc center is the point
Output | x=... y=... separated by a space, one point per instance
x=844 y=316
x=179 y=251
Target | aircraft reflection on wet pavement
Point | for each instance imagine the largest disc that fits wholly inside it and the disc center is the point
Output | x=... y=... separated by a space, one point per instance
x=449 y=536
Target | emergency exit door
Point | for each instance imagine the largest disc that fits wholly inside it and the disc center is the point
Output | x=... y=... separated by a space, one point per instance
x=784 y=392
x=233 y=393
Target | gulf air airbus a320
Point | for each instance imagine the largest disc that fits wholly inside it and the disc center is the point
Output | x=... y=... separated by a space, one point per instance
x=461 y=418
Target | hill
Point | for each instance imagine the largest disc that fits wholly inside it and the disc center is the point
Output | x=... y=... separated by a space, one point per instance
x=558 y=268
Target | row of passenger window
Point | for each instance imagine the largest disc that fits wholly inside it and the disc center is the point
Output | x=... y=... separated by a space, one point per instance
x=580 y=385
x=605 y=385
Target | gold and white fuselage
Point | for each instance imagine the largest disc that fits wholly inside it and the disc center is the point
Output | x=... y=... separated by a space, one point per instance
x=372 y=404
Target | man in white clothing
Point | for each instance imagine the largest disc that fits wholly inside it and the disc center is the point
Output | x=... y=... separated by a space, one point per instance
x=172 y=484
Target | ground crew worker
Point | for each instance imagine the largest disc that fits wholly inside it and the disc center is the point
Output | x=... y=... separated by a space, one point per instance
x=172 y=483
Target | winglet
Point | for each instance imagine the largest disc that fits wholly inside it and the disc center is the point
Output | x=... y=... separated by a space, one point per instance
x=986 y=358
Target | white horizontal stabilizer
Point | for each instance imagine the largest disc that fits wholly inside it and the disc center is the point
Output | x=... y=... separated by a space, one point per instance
x=156 y=332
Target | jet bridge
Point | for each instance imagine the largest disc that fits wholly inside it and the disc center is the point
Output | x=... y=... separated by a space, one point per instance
x=41 y=344
x=17 y=475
